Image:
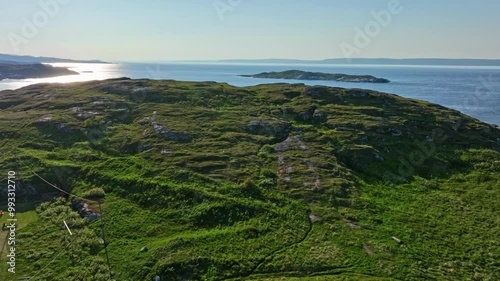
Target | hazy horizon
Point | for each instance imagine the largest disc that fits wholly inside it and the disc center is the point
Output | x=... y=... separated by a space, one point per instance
x=252 y=59
x=223 y=29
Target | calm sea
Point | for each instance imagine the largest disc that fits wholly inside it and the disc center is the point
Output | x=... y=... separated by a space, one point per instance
x=472 y=90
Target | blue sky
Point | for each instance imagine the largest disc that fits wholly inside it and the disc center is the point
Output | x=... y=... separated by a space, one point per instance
x=152 y=30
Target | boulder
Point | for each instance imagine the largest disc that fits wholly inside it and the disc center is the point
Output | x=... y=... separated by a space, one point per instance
x=270 y=127
x=319 y=116
x=360 y=157
x=316 y=90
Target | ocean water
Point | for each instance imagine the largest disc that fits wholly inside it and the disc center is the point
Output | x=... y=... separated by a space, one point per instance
x=474 y=91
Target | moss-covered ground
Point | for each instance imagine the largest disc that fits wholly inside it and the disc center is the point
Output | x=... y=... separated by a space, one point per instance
x=271 y=182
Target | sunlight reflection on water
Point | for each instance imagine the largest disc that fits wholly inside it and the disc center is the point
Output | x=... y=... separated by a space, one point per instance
x=88 y=72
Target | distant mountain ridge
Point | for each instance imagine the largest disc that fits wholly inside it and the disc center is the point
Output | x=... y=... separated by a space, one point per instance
x=16 y=59
x=383 y=61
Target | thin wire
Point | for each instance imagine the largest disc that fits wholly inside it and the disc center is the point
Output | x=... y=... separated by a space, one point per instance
x=61 y=190
x=105 y=245
x=17 y=160
x=70 y=194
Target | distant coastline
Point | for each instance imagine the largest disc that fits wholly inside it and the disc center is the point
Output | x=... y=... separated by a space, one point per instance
x=25 y=71
x=15 y=59
x=25 y=67
x=376 y=61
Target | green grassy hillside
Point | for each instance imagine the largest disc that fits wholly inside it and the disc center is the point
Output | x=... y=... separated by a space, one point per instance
x=271 y=182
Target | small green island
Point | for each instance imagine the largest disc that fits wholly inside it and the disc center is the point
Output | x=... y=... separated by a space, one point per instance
x=304 y=75
x=37 y=70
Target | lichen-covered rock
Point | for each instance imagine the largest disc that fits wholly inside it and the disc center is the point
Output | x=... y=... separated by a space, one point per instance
x=360 y=157
x=316 y=90
x=275 y=128
x=339 y=127
x=87 y=114
x=122 y=86
x=83 y=209
x=159 y=129
x=319 y=116
x=45 y=118
x=306 y=116
x=291 y=143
